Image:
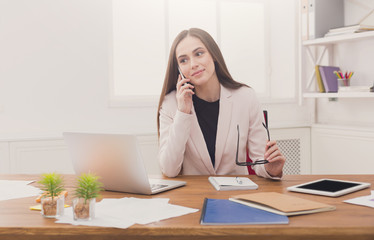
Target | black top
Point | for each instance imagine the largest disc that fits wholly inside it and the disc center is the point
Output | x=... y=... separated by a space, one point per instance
x=207 y=116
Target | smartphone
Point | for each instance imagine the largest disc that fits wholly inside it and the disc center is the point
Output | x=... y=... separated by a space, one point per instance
x=180 y=72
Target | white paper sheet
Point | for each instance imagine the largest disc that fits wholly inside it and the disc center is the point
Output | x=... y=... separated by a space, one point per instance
x=364 y=200
x=124 y=212
x=12 y=189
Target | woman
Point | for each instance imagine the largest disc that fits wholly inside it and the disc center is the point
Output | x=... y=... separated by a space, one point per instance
x=201 y=112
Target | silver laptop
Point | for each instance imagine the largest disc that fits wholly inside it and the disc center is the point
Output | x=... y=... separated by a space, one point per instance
x=117 y=160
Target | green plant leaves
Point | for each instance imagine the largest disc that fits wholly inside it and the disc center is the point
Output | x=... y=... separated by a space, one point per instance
x=52 y=184
x=88 y=186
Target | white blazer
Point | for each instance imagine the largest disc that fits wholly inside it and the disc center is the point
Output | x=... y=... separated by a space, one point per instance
x=183 y=149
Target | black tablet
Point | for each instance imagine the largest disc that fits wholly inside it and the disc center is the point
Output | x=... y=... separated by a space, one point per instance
x=329 y=187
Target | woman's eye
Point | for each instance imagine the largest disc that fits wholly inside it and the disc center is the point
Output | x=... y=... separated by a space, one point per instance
x=183 y=60
x=199 y=53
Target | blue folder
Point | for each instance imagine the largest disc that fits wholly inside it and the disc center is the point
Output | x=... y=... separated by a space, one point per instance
x=226 y=212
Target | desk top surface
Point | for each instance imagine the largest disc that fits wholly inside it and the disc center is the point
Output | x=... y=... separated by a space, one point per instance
x=346 y=221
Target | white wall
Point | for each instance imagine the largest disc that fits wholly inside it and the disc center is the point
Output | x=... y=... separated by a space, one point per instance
x=54 y=77
x=342 y=150
x=354 y=56
x=357 y=57
x=342 y=137
x=55 y=66
x=55 y=69
x=55 y=72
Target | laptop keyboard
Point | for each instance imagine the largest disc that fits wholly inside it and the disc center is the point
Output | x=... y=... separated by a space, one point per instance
x=157 y=186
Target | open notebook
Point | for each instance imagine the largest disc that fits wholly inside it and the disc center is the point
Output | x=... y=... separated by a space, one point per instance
x=116 y=158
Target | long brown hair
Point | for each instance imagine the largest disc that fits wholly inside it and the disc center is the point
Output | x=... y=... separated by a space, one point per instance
x=171 y=76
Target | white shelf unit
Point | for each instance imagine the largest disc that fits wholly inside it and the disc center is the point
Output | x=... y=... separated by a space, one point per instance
x=339 y=38
x=339 y=95
x=327 y=45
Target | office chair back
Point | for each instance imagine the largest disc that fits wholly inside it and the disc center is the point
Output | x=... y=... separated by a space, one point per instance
x=248 y=159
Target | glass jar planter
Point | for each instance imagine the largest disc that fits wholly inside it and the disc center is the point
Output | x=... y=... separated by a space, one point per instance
x=84 y=209
x=52 y=207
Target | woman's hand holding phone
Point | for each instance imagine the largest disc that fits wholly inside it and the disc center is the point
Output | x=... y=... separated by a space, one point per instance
x=184 y=94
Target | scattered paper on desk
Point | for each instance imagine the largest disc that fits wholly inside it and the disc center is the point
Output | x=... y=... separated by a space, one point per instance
x=124 y=212
x=367 y=201
x=12 y=189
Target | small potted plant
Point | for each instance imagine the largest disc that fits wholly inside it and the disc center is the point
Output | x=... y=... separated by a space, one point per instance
x=88 y=189
x=52 y=201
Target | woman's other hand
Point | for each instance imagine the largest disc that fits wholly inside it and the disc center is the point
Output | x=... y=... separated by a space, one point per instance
x=275 y=158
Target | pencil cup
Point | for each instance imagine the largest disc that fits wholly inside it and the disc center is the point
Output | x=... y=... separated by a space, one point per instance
x=344 y=82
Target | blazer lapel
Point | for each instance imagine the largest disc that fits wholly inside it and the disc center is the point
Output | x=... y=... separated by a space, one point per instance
x=223 y=126
x=200 y=145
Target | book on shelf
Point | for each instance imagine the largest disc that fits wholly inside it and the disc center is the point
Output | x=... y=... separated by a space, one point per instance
x=324 y=15
x=321 y=88
x=354 y=88
x=329 y=79
x=232 y=183
x=281 y=203
x=366 y=24
x=226 y=212
x=348 y=30
x=304 y=20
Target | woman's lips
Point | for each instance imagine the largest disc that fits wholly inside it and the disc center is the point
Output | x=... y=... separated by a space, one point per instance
x=197 y=73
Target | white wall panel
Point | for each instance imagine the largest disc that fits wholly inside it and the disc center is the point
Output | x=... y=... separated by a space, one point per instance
x=138 y=34
x=342 y=150
x=244 y=24
x=183 y=15
x=4 y=157
x=36 y=157
x=149 y=150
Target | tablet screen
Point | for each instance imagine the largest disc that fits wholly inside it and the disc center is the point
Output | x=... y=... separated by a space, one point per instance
x=328 y=185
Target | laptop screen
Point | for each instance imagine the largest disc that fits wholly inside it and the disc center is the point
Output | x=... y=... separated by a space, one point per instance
x=116 y=158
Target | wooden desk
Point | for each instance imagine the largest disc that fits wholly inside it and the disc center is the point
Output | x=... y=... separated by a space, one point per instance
x=348 y=221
